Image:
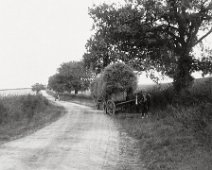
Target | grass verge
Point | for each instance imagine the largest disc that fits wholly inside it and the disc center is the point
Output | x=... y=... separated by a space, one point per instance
x=175 y=138
x=22 y=115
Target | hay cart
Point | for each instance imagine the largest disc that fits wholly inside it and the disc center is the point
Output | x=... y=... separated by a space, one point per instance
x=113 y=88
x=118 y=101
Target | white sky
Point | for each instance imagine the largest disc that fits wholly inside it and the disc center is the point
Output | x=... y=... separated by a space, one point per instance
x=36 y=36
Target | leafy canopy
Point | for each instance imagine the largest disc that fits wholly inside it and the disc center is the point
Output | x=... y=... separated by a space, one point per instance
x=38 y=87
x=71 y=76
x=152 y=34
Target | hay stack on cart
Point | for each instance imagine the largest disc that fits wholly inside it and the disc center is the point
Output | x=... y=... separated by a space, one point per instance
x=114 y=87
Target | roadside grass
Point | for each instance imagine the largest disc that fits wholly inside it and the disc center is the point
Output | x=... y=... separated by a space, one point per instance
x=174 y=138
x=22 y=115
x=177 y=134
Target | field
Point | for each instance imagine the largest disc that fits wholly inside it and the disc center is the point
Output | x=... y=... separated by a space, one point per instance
x=15 y=92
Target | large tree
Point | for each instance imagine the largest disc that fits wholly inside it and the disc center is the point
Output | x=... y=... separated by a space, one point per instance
x=154 y=34
x=78 y=77
x=71 y=76
x=57 y=83
x=100 y=51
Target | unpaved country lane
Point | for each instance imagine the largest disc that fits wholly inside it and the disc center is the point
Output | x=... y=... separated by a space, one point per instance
x=84 y=139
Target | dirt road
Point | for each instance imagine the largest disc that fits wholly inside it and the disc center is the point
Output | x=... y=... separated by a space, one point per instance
x=83 y=139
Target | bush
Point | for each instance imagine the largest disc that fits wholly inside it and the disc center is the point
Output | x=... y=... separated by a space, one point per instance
x=22 y=115
x=160 y=99
x=14 y=108
x=31 y=104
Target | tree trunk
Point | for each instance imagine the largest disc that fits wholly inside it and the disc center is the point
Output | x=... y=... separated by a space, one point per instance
x=182 y=77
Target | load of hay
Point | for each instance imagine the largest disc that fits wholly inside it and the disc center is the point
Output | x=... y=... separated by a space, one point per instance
x=114 y=79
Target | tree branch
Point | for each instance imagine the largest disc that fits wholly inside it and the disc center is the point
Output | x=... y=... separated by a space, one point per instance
x=204 y=36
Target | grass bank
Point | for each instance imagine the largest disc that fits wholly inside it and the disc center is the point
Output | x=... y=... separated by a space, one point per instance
x=177 y=134
x=174 y=138
x=22 y=115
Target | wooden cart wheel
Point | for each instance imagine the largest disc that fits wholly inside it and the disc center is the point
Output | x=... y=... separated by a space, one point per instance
x=111 y=107
x=105 y=108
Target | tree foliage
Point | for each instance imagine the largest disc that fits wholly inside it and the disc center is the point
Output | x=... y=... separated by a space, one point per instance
x=71 y=76
x=38 y=87
x=57 y=83
x=151 y=34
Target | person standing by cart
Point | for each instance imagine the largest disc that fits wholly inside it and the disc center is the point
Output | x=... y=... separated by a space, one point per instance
x=139 y=102
x=142 y=103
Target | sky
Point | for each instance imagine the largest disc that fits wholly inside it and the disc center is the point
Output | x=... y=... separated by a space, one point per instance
x=36 y=36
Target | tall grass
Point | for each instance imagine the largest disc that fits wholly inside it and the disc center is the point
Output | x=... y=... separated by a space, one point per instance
x=164 y=95
x=21 y=114
x=192 y=107
x=167 y=143
x=177 y=134
x=15 y=108
x=174 y=138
